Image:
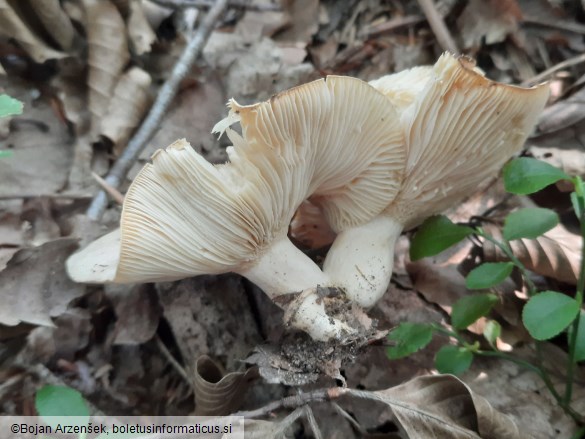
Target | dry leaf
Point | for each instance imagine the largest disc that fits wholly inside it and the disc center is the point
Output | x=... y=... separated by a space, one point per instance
x=80 y=173
x=303 y=21
x=127 y=107
x=141 y=34
x=217 y=393
x=493 y=20
x=137 y=313
x=108 y=54
x=41 y=148
x=56 y=22
x=12 y=26
x=443 y=406
x=310 y=228
x=34 y=286
x=556 y=254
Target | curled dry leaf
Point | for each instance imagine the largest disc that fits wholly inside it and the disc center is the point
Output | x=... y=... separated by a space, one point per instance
x=443 y=406
x=141 y=34
x=217 y=393
x=12 y=26
x=108 y=54
x=555 y=254
x=56 y=22
x=34 y=286
x=127 y=107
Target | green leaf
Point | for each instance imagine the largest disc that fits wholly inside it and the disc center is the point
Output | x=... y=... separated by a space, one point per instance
x=527 y=175
x=576 y=205
x=9 y=106
x=488 y=275
x=436 y=234
x=548 y=313
x=5 y=153
x=491 y=332
x=529 y=223
x=580 y=346
x=60 y=401
x=453 y=359
x=409 y=338
x=470 y=308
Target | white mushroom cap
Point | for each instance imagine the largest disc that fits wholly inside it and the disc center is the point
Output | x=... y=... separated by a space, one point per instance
x=182 y=216
x=336 y=140
x=460 y=130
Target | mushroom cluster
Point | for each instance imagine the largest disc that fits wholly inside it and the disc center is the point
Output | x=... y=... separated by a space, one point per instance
x=376 y=158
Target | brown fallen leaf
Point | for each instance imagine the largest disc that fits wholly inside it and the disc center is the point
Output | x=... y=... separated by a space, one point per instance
x=556 y=254
x=34 y=286
x=137 y=313
x=442 y=406
x=108 y=54
x=12 y=26
x=129 y=103
x=141 y=34
x=303 y=21
x=56 y=22
x=310 y=228
x=218 y=393
x=493 y=20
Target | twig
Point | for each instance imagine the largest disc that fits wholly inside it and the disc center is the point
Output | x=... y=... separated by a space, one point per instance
x=392 y=25
x=62 y=196
x=438 y=26
x=562 y=25
x=112 y=192
x=158 y=110
x=206 y=4
x=173 y=361
x=313 y=422
x=548 y=72
x=295 y=401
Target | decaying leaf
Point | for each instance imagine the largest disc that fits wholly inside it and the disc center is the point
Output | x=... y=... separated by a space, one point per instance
x=108 y=54
x=303 y=21
x=218 y=393
x=443 y=406
x=310 y=228
x=556 y=254
x=127 y=107
x=493 y=20
x=56 y=22
x=34 y=286
x=137 y=313
x=141 y=34
x=12 y=26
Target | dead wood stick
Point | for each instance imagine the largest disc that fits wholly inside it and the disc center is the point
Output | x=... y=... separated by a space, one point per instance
x=204 y=4
x=158 y=109
x=295 y=401
x=548 y=72
x=438 y=26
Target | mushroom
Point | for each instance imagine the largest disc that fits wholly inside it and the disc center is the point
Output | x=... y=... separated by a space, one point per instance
x=183 y=216
x=459 y=128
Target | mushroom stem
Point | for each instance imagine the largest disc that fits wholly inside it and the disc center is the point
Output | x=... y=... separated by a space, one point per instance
x=361 y=259
x=284 y=269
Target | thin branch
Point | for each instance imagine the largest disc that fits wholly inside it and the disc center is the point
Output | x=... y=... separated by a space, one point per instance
x=158 y=109
x=549 y=72
x=112 y=192
x=173 y=361
x=568 y=26
x=295 y=401
x=206 y=4
x=438 y=26
x=313 y=423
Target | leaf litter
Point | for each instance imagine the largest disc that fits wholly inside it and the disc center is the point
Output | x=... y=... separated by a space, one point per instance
x=131 y=361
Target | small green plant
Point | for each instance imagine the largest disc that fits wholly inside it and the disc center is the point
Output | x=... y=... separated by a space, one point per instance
x=58 y=404
x=545 y=315
x=9 y=107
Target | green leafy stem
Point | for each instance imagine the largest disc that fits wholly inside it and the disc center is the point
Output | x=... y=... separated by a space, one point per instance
x=545 y=315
